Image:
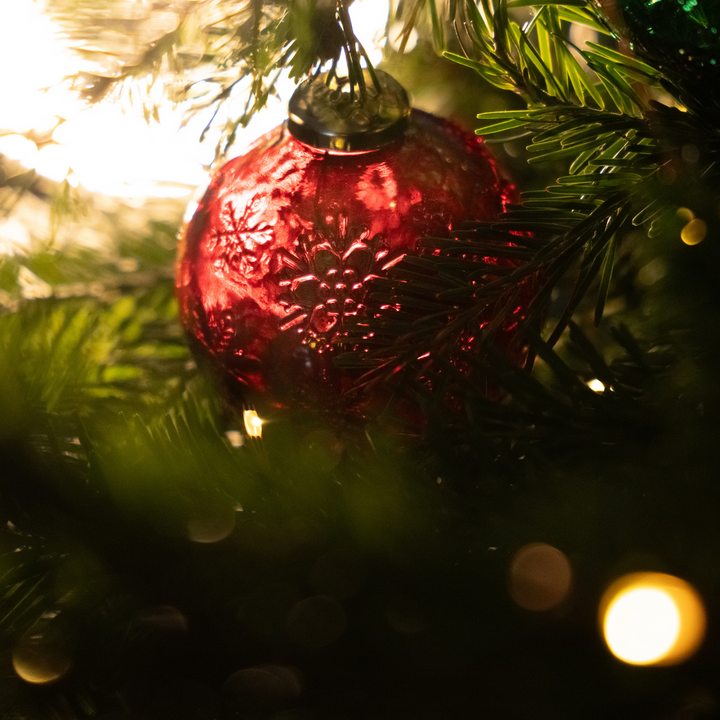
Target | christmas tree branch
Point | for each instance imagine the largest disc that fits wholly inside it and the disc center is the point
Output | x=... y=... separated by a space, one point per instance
x=214 y=56
x=599 y=119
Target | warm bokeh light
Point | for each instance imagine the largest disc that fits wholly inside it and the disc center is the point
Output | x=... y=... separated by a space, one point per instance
x=685 y=214
x=235 y=438
x=33 y=64
x=540 y=577
x=395 y=38
x=110 y=148
x=39 y=665
x=580 y=35
x=253 y=423
x=652 y=619
x=17 y=147
x=212 y=525
x=653 y=271
x=369 y=18
x=596 y=385
x=641 y=625
x=694 y=232
x=120 y=154
x=53 y=162
x=15 y=238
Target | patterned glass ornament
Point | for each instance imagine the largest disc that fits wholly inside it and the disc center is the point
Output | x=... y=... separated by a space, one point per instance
x=288 y=237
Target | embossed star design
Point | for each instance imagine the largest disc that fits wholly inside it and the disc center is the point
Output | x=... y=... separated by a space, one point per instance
x=241 y=239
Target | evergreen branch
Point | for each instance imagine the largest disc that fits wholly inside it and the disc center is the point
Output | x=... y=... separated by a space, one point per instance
x=536 y=60
x=597 y=119
x=213 y=54
x=99 y=335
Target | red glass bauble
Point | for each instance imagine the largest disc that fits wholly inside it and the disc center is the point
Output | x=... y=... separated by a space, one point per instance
x=288 y=237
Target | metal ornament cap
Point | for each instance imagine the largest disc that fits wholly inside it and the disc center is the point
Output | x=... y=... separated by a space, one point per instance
x=332 y=116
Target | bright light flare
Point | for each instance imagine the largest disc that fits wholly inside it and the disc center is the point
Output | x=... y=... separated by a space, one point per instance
x=35 y=62
x=652 y=619
x=109 y=151
x=596 y=385
x=253 y=423
x=53 y=162
x=17 y=147
x=369 y=20
x=122 y=155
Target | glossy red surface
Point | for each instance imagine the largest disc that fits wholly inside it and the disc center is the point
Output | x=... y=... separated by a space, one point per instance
x=286 y=238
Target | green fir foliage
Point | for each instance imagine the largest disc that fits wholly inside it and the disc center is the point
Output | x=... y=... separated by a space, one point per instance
x=150 y=550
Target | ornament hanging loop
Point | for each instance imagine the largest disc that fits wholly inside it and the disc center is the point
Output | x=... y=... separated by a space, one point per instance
x=323 y=114
x=353 y=51
x=364 y=111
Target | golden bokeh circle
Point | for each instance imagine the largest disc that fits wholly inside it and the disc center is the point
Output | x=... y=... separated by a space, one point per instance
x=38 y=665
x=694 y=232
x=652 y=618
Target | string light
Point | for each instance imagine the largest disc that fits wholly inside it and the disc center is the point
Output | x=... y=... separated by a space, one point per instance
x=652 y=619
x=253 y=423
